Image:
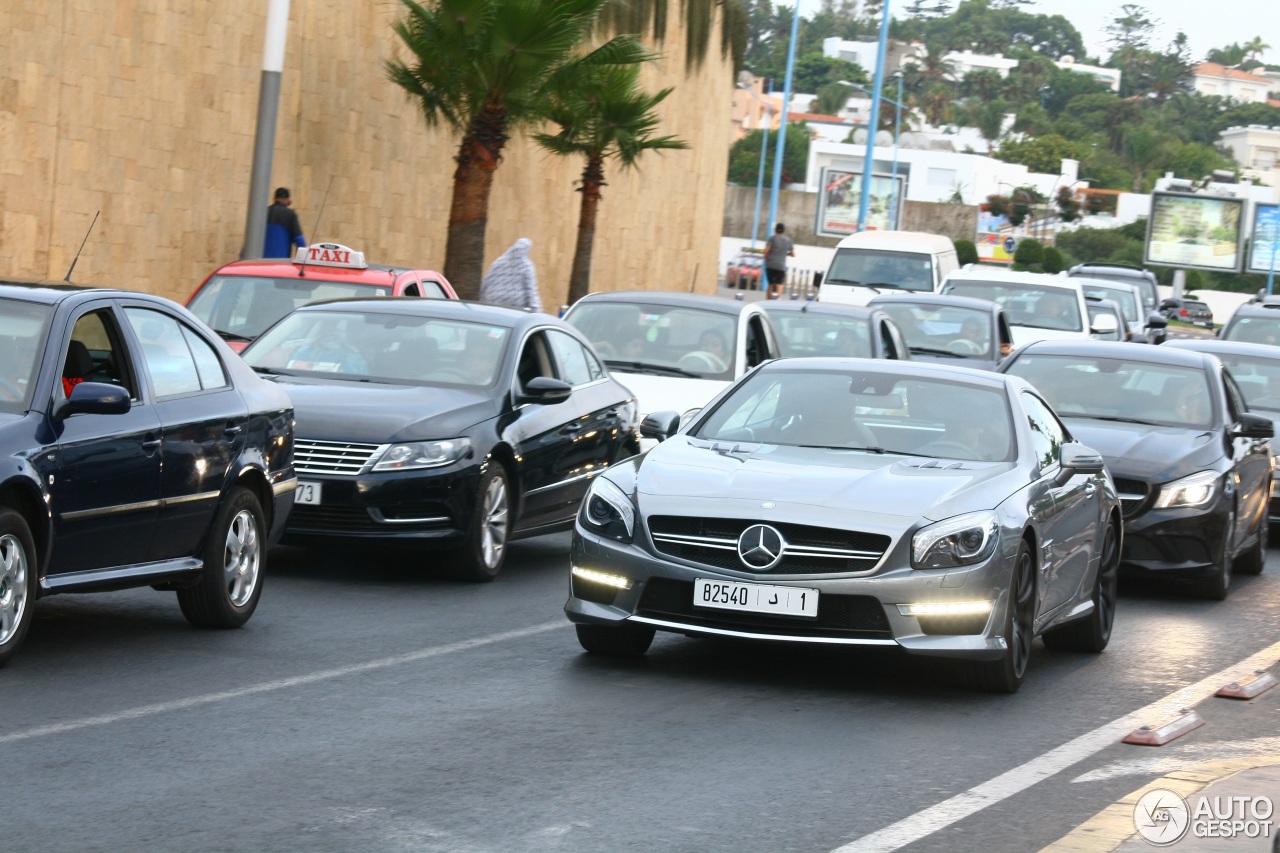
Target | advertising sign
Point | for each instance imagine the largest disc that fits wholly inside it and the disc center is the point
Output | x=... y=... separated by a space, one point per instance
x=1195 y=232
x=1264 y=248
x=839 y=197
x=997 y=239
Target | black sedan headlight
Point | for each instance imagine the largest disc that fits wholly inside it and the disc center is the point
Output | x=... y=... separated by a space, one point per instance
x=608 y=511
x=423 y=454
x=961 y=541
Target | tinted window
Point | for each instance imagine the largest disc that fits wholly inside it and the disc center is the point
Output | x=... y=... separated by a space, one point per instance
x=942 y=330
x=571 y=358
x=1030 y=305
x=208 y=365
x=240 y=306
x=1047 y=435
x=165 y=351
x=1255 y=330
x=878 y=268
x=683 y=340
x=24 y=328
x=1122 y=296
x=1257 y=378
x=814 y=333
x=95 y=354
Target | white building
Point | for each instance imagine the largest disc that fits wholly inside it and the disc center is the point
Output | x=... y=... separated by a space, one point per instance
x=1257 y=149
x=864 y=53
x=1211 y=78
x=964 y=62
x=1109 y=77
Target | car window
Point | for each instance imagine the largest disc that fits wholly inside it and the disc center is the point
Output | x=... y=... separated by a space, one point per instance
x=1047 y=433
x=880 y=268
x=654 y=337
x=412 y=289
x=1255 y=330
x=1258 y=379
x=96 y=353
x=811 y=333
x=208 y=365
x=166 y=352
x=572 y=358
x=887 y=349
x=243 y=306
x=1029 y=305
x=432 y=290
x=535 y=361
x=24 y=328
x=945 y=330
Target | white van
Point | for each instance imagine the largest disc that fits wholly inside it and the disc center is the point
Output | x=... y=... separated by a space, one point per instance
x=873 y=262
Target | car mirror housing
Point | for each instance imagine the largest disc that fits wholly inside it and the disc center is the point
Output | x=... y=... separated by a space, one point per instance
x=544 y=389
x=660 y=425
x=1156 y=320
x=93 y=398
x=1254 y=426
x=1075 y=458
x=1103 y=324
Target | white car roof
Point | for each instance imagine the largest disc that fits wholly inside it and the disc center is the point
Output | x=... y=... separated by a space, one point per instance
x=1003 y=276
x=898 y=241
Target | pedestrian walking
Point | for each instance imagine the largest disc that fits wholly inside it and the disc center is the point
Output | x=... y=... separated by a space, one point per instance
x=283 y=230
x=776 y=250
x=511 y=279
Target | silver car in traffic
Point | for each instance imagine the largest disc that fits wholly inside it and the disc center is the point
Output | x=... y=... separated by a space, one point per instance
x=943 y=510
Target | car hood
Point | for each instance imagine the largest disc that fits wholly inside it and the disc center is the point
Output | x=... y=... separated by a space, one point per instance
x=970 y=362
x=1023 y=335
x=1151 y=453
x=669 y=393
x=691 y=476
x=378 y=413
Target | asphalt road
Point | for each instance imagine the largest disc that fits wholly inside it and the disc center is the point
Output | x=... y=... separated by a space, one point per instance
x=371 y=706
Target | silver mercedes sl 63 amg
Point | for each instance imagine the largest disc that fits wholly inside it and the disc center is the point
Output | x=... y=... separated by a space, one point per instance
x=846 y=501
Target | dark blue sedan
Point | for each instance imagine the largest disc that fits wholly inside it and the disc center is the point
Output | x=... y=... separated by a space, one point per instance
x=135 y=450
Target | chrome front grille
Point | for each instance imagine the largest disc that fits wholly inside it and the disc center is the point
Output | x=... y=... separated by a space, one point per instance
x=334 y=457
x=807 y=550
x=1133 y=495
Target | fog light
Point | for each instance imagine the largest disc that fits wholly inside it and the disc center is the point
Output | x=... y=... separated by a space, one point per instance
x=616 y=581
x=955 y=608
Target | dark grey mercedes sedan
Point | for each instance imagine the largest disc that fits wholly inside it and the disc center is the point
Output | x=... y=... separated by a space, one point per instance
x=847 y=501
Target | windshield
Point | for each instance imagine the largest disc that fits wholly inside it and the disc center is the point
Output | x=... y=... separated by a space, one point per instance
x=881 y=269
x=1258 y=378
x=663 y=339
x=24 y=329
x=871 y=412
x=947 y=330
x=810 y=333
x=240 y=307
x=1255 y=330
x=1029 y=305
x=1122 y=296
x=1116 y=389
x=1146 y=287
x=394 y=348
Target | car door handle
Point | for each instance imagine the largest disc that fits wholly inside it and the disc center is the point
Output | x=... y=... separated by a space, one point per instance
x=567 y=429
x=151 y=445
x=1089 y=489
x=232 y=430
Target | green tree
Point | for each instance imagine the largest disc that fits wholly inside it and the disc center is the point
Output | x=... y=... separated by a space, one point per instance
x=1042 y=154
x=831 y=99
x=602 y=116
x=1232 y=54
x=966 y=252
x=1028 y=254
x=1052 y=261
x=813 y=71
x=744 y=157
x=484 y=68
x=1254 y=48
x=1141 y=151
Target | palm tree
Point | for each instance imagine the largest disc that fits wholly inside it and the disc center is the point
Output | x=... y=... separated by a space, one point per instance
x=930 y=69
x=1255 y=47
x=603 y=115
x=485 y=68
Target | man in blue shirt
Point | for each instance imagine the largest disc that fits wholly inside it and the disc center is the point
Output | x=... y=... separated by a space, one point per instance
x=283 y=230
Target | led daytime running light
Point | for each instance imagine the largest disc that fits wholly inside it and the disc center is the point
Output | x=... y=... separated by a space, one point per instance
x=616 y=581
x=953 y=608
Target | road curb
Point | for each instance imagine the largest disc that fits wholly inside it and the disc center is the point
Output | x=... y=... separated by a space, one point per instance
x=1113 y=826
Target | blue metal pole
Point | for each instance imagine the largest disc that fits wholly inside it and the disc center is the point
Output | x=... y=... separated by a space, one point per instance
x=893 y=188
x=864 y=197
x=1271 y=274
x=764 y=147
x=782 y=125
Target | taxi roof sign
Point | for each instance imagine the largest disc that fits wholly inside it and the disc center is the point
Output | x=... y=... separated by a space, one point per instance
x=330 y=255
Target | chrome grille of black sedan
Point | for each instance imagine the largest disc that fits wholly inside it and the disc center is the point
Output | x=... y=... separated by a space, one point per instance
x=333 y=457
x=808 y=550
x=1133 y=495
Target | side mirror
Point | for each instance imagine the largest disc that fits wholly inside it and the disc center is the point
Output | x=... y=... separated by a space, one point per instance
x=545 y=390
x=1104 y=324
x=1167 y=304
x=1075 y=458
x=1254 y=426
x=1156 y=320
x=660 y=425
x=93 y=398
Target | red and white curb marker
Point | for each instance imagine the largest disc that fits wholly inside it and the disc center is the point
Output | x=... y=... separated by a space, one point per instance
x=1166 y=730
x=1250 y=686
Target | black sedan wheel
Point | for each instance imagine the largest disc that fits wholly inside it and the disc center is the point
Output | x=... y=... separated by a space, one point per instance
x=231 y=583
x=1216 y=586
x=1005 y=675
x=17 y=582
x=623 y=641
x=1092 y=633
x=480 y=558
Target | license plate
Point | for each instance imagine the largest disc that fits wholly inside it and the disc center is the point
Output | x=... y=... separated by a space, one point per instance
x=308 y=493
x=755 y=597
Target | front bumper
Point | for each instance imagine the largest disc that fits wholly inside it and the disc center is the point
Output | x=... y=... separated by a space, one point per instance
x=1186 y=541
x=859 y=611
x=409 y=507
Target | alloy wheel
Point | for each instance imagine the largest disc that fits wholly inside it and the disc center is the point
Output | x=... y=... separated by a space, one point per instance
x=1108 y=580
x=242 y=558
x=13 y=585
x=493 y=532
x=1023 y=610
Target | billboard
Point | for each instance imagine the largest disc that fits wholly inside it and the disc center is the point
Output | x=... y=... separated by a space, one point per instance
x=839 y=196
x=997 y=239
x=1195 y=232
x=1264 y=248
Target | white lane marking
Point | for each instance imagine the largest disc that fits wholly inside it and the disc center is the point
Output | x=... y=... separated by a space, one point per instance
x=1160 y=762
x=977 y=798
x=279 y=684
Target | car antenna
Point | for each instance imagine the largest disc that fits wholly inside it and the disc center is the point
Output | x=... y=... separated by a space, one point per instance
x=302 y=271
x=67 y=278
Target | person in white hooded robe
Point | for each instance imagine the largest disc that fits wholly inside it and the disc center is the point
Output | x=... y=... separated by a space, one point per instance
x=511 y=279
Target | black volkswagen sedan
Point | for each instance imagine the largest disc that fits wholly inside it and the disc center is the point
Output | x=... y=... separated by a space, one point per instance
x=135 y=450
x=1191 y=464
x=454 y=426
x=806 y=328
x=854 y=502
x=958 y=330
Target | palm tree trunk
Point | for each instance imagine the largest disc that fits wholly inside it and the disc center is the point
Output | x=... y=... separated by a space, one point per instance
x=477 y=159
x=592 y=181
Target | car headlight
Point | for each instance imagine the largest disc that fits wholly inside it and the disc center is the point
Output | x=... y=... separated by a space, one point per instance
x=608 y=511
x=423 y=454
x=1196 y=490
x=960 y=541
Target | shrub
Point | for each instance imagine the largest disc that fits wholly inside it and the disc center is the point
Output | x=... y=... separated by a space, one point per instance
x=1052 y=260
x=966 y=252
x=1028 y=254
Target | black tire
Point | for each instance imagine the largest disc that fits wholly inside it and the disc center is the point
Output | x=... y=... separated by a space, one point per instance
x=234 y=565
x=1092 y=633
x=481 y=556
x=630 y=641
x=1005 y=675
x=1216 y=586
x=18 y=582
x=1253 y=561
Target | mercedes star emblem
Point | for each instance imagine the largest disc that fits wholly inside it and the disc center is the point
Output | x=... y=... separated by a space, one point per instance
x=760 y=547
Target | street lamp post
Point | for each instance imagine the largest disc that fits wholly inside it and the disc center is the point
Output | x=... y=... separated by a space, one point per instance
x=782 y=124
x=864 y=197
x=897 y=125
x=264 y=139
x=1271 y=273
x=764 y=146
